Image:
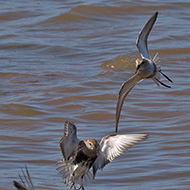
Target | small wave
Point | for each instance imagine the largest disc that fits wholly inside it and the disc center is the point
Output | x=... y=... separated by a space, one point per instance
x=8 y=75
x=121 y=62
x=21 y=46
x=15 y=15
x=91 y=12
x=97 y=116
x=19 y=109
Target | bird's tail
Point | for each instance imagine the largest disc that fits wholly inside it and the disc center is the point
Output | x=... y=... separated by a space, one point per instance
x=157 y=77
x=156 y=60
x=66 y=171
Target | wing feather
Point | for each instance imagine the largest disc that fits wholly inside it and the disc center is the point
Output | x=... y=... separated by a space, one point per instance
x=124 y=91
x=69 y=141
x=26 y=181
x=143 y=36
x=113 y=146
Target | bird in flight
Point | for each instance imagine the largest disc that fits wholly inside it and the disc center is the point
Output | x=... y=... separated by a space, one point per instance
x=80 y=156
x=146 y=68
x=26 y=181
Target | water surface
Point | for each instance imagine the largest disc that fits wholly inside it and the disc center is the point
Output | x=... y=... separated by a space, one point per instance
x=67 y=60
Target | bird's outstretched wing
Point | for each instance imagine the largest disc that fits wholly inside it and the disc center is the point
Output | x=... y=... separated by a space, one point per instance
x=143 y=36
x=69 y=141
x=26 y=181
x=112 y=146
x=125 y=89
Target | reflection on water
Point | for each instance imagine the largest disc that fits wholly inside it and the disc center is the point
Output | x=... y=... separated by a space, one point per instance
x=67 y=61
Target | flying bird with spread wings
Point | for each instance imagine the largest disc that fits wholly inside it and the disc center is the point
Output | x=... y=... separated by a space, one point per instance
x=146 y=68
x=80 y=156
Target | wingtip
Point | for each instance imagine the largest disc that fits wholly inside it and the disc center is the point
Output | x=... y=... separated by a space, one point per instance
x=66 y=126
x=142 y=38
x=116 y=129
x=146 y=136
x=19 y=186
x=155 y=15
x=67 y=122
x=15 y=183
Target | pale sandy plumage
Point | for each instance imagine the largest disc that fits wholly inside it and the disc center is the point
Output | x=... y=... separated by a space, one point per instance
x=145 y=68
x=99 y=154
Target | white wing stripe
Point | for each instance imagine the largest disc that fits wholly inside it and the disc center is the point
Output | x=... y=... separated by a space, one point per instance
x=113 y=146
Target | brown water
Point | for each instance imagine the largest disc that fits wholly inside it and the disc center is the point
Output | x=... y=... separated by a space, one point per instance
x=67 y=60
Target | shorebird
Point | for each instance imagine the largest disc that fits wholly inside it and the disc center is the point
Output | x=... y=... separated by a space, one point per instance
x=146 y=68
x=80 y=156
x=26 y=181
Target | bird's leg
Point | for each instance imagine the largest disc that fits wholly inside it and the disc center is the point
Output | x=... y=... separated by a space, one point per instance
x=82 y=182
x=82 y=186
x=162 y=83
x=157 y=83
x=166 y=76
x=73 y=186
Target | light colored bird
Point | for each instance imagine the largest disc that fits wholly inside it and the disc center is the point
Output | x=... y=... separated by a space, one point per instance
x=26 y=181
x=80 y=156
x=145 y=68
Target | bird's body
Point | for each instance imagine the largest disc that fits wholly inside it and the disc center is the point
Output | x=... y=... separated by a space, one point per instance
x=84 y=155
x=146 y=68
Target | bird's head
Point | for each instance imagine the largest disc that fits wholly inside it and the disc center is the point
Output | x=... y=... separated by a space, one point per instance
x=142 y=64
x=139 y=63
x=92 y=144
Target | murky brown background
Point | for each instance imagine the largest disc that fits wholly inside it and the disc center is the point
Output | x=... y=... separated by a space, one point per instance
x=67 y=60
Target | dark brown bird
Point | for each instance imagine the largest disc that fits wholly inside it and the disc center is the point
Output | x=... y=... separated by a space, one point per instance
x=80 y=156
